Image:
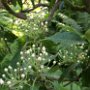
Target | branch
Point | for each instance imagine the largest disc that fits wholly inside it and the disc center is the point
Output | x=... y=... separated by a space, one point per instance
x=54 y=8
x=19 y=15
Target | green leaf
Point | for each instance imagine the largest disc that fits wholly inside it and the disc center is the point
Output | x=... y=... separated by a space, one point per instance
x=74 y=86
x=53 y=73
x=3 y=88
x=70 y=21
x=87 y=35
x=58 y=86
x=50 y=45
x=12 y=58
x=35 y=87
x=65 y=37
x=20 y=3
x=67 y=71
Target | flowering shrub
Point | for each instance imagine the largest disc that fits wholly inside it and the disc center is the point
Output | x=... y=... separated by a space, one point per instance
x=74 y=53
x=30 y=68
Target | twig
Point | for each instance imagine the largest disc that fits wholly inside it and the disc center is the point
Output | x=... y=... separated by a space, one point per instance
x=54 y=8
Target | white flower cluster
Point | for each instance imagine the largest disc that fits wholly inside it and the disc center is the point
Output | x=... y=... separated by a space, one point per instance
x=32 y=62
x=13 y=76
x=35 y=57
x=74 y=54
x=34 y=23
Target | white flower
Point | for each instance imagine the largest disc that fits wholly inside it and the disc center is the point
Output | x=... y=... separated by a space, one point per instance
x=88 y=56
x=6 y=69
x=39 y=58
x=38 y=48
x=18 y=63
x=3 y=75
x=21 y=87
x=78 y=61
x=42 y=23
x=59 y=63
x=24 y=68
x=8 y=82
x=22 y=75
x=40 y=54
x=33 y=45
x=1 y=39
x=66 y=52
x=21 y=52
x=46 y=29
x=46 y=22
x=43 y=13
x=28 y=51
x=16 y=22
x=29 y=67
x=15 y=70
x=43 y=48
x=12 y=78
x=21 y=69
x=39 y=70
x=49 y=60
x=86 y=51
x=83 y=44
x=71 y=53
x=31 y=17
x=29 y=58
x=43 y=59
x=45 y=53
x=54 y=62
x=82 y=47
x=9 y=67
x=42 y=66
x=1 y=81
x=64 y=57
x=6 y=39
x=34 y=29
x=33 y=55
x=22 y=57
x=48 y=68
x=26 y=30
x=35 y=25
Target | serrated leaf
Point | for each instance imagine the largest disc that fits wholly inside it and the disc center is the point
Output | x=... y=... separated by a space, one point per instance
x=58 y=86
x=69 y=21
x=65 y=37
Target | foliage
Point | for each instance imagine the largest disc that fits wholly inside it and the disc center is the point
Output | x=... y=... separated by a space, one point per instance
x=44 y=45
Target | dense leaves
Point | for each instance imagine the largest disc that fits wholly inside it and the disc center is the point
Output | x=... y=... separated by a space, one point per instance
x=49 y=49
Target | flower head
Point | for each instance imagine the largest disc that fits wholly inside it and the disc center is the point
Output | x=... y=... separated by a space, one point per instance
x=1 y=81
